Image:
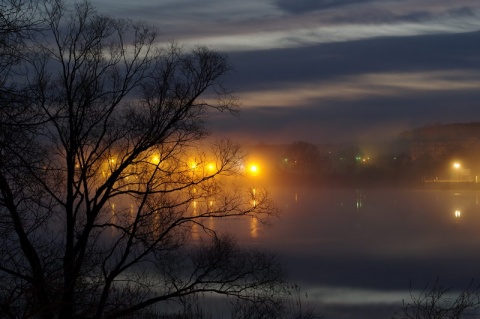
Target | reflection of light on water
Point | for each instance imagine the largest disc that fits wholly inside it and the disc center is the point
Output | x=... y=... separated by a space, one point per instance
x=458 y=200
x=132 y=215
x=195 y=233
x=211 y=223
x=254 y=227
x=359 y=200
x=296 y=197
x=458 y=214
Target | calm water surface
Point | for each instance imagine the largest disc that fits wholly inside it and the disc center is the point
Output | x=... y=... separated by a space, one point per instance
x=355 y=252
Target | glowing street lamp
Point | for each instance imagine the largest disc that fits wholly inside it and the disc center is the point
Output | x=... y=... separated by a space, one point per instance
x=211 y=168
x=456 y=171
x=253 y=169
x=155 y=159
x=192 y=165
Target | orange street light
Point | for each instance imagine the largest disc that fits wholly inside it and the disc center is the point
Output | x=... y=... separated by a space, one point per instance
x=155 y=159
x=211 y=167
x=193 y=165
x=253 y=169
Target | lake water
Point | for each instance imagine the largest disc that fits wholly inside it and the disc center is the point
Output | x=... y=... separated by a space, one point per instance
x=355 y=252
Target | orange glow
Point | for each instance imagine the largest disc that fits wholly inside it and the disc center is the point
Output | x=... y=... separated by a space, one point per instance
x=155 y=159
x=456 y=165
x=112 y=161
x=192 y=165
x=211 y=167
x=254 y=227
x=254 y=169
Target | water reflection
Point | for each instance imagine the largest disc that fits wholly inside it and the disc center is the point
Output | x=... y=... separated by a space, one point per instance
x=393 y=222
x=253 y=219
x=211 y=223
x=359 y=199
x=254 y=227
x=458 y=214
x=402 y=236
x=195 y=227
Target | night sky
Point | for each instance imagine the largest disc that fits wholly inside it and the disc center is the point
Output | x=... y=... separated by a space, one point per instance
x=331 y=70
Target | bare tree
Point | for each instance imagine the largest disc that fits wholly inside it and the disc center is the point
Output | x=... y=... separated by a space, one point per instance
x=294 y=305
x=103 y=181
x=439 y=302
x=17 y=21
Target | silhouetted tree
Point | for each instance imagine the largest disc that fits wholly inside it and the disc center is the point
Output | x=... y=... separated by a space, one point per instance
x=102 y=181
x=18 y=21
x=439 y=302
x=294 y=305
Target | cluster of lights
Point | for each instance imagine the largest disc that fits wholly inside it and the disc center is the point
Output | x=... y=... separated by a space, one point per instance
x=251 y=169
x=362 y=159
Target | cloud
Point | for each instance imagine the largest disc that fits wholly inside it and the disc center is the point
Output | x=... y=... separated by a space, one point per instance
x=317 y=34
x=188 y=18
x=301 y=6
x=263 y=25
x=363 y=86
x=357 y=107
x=306 y=70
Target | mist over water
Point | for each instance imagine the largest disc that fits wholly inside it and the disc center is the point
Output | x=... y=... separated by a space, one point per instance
x=356 y=251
